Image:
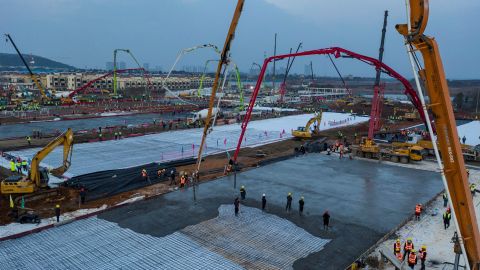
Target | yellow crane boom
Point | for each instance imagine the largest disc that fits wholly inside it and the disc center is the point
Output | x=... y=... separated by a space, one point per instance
x=433 y=75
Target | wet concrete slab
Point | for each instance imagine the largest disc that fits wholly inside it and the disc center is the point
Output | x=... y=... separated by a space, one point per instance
x=365 y=199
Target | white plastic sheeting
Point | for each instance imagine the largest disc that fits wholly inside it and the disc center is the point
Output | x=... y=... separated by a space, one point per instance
x=172 y=145
x=253 y=240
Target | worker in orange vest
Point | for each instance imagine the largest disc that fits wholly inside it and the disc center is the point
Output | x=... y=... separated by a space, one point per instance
x=412 y=259
x=145 y=175
x=397 y=249
x=182 y=180
x=407 y=247
x=423 y=256
x=418 y=211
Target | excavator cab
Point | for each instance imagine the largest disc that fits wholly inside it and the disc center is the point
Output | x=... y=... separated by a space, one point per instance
x=17 y=184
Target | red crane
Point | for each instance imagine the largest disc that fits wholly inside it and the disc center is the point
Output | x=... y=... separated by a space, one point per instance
x=337 y=52
x=88 y=84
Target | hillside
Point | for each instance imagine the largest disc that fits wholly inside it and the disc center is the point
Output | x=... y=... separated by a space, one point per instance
x=13 y=62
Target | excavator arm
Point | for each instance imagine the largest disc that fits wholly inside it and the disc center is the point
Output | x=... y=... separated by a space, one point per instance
x=316 y=119
x=433 y=75
x=65 y=139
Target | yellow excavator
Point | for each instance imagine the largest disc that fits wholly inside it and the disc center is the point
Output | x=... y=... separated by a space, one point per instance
x=38 y=176
x=304 y=132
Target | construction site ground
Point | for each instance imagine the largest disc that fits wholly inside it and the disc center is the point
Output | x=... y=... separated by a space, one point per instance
x=212 y=168
x=365 y=200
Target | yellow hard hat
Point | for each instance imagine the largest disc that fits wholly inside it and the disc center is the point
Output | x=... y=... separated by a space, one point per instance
x=424 y=247
x=398 y=239
x=58 y=205
x=289 y=193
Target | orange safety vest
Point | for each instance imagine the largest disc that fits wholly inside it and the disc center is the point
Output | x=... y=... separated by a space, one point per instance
x=408 y=246
x=144 y=173
x=418 y=208
x=411 y=258
x=182 y=180
x=398 y=247
x=399 y=256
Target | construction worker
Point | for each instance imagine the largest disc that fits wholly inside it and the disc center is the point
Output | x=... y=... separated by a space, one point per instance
x=83 y=193
x=397 y=249
x=172 y=177
x=183 y=179
x=100 y=136
x=412 y=259
x=119 y=135
x=264 y=202
x=473 y=188
x=423 y=256
x=25 y=165
x=243 y=192
x=13 y=167
x=326 y=220
x=57 y=212
x=464 y=139
x=18 y=165
x=29 y=140
x=418 y=211
x=237 y=205
x=288 y=208
x=145 y=176
x=407 y=247
x=446 y=218
x=116 y=135
x=301 y=203
x=445 y=199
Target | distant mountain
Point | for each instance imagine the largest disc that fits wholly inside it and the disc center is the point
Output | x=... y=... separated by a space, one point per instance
x=11 y=62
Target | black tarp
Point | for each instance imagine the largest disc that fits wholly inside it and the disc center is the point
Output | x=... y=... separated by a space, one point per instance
x=107 y=183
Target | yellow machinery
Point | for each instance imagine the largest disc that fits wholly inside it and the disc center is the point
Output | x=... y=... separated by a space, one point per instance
x=38 y=177
x=454 y=173
x=404 y=154
x=304 y=132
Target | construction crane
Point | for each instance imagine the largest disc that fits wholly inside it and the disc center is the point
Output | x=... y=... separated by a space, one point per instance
x=115 y=85
x=337 y=52
x=179 y=56
x=222 y=64
x=451 y=163
x=38 y=176
x=32 y=75
x=368 y=146
x=71 y=95
x=283 y=85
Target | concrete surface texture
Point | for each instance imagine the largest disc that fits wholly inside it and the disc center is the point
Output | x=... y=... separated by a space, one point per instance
x=365 y=200
x=173 y=145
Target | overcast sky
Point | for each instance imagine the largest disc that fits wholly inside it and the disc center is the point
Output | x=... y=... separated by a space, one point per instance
x=85 y=32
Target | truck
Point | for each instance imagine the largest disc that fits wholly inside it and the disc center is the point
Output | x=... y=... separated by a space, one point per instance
x=388 y=152
x=201 y=115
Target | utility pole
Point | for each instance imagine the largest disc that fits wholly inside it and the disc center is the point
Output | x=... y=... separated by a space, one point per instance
x=311 y=70
x=476 y=107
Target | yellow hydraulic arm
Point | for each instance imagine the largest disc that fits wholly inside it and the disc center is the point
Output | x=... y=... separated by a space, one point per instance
x=65 y=139
x=433 y=76
x=32 y=75
x=223 y=62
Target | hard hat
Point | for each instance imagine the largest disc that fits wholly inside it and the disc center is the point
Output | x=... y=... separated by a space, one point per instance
x=57 y=206
x=289 y=193
x=413 y=250
x=243 y=186
x=398 y=239
x=424 y=247
x=263 y=195
x=302 y=198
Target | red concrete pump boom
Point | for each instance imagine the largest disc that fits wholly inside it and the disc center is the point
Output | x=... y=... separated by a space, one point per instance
x=88 y=84
x=337 y=52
